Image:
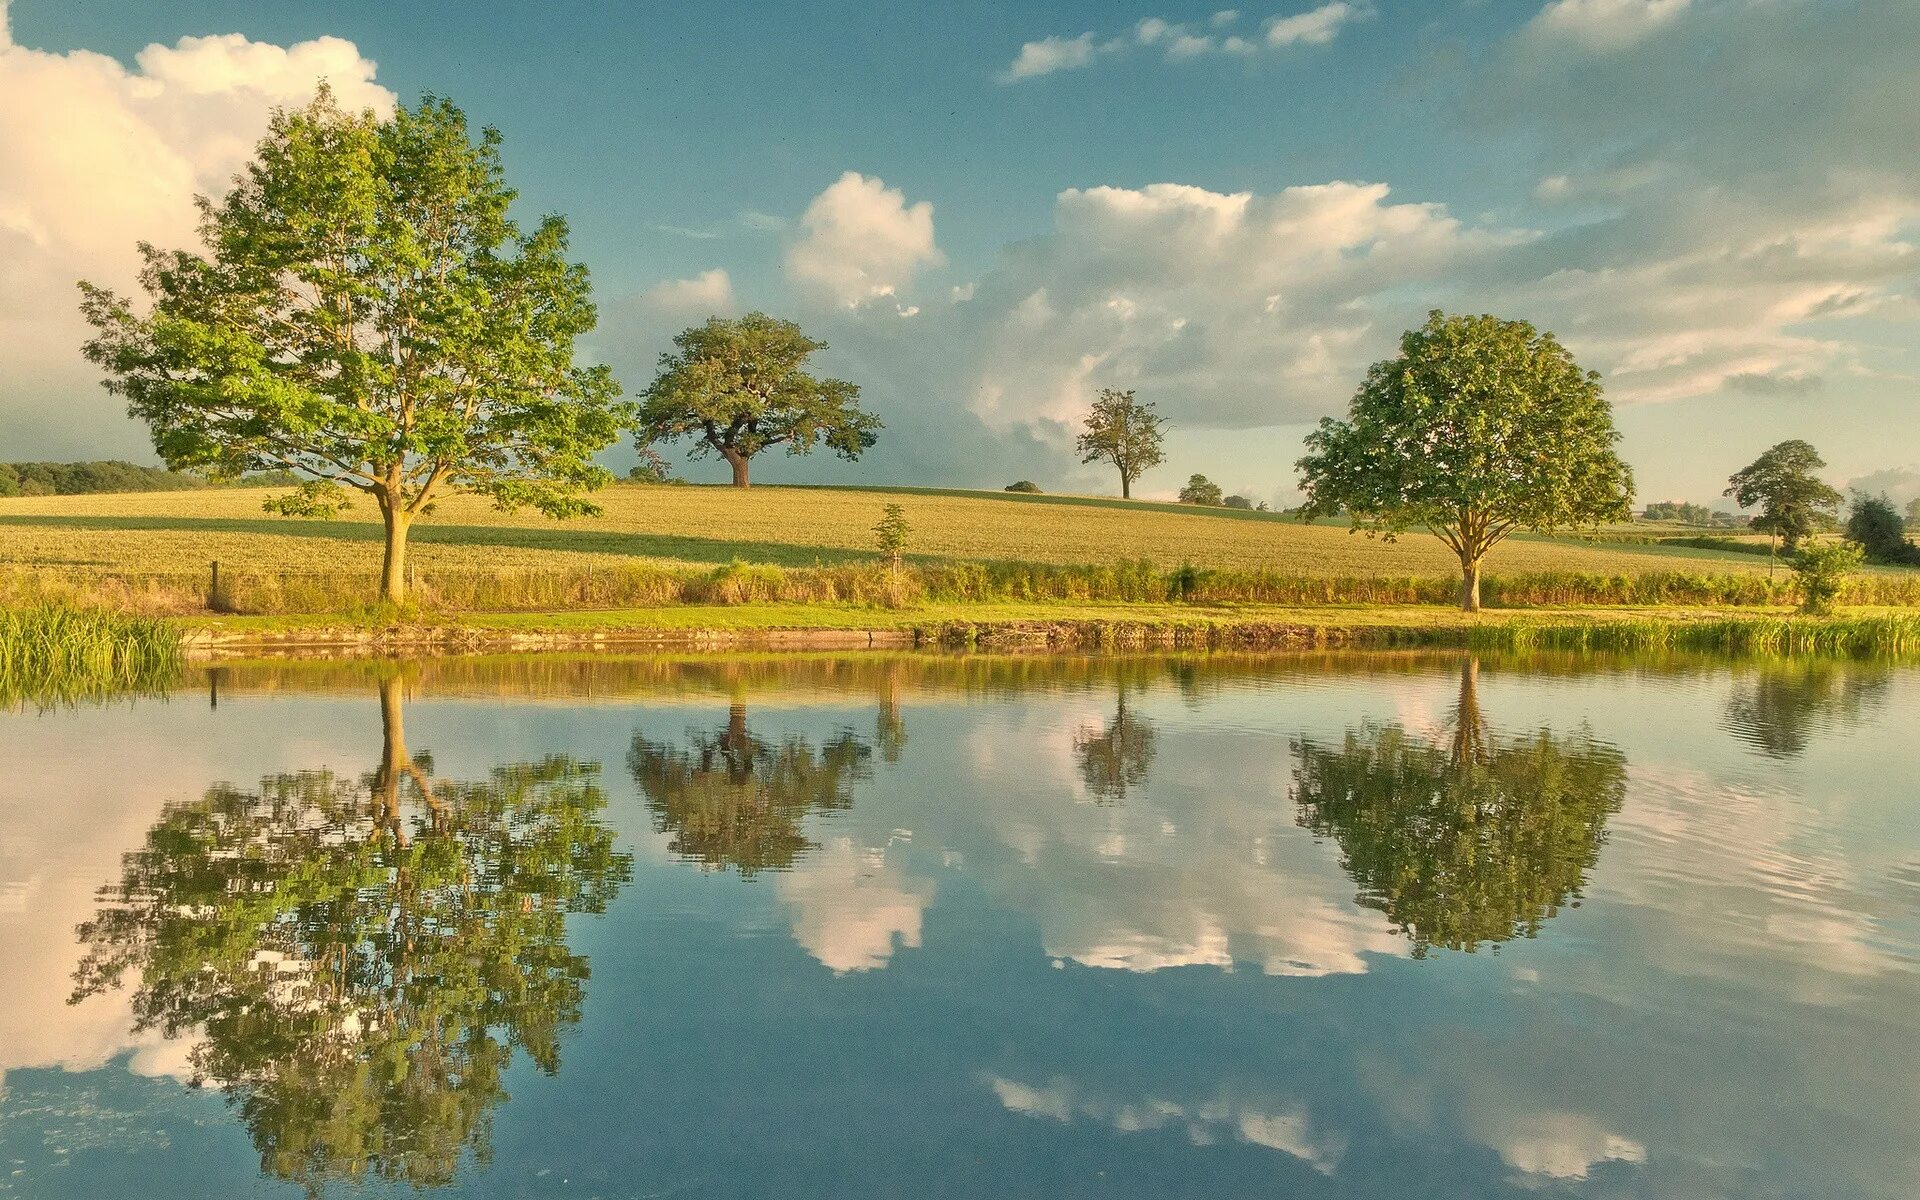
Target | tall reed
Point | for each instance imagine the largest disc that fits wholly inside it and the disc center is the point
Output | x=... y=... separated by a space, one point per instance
x=1894 y=635
x=52 y=654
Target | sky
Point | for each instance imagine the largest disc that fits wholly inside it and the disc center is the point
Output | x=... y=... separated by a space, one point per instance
x=990 y=212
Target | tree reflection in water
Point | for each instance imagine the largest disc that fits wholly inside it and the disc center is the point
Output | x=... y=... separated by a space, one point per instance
x=359 y=957
x=1118 y=757
x=1776 y=706
x=732 y=800
x=1476 y=841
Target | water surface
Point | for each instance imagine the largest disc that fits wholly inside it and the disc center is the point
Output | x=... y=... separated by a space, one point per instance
x=1359 y=926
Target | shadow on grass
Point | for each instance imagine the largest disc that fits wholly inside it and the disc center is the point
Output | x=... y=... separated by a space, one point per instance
x=560 y=539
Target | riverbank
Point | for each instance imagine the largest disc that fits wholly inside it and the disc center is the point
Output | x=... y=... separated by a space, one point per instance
x=1016 y=626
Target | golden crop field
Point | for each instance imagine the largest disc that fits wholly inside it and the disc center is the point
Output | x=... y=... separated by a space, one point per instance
x=180 y=532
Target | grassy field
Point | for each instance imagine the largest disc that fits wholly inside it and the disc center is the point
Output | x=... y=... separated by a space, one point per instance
x=178 y=533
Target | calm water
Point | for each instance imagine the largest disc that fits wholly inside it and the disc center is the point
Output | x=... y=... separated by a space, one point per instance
x=1361 y=926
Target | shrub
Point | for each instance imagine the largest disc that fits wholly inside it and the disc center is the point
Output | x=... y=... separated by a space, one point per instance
x=1025 y=485
x=1201 y=490
x=1876 y=527
x=1236 y=501
x=891 y=535
x=1822 y=571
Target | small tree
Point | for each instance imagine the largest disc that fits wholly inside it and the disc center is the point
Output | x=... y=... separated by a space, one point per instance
x=1479 y=427
x=1026 y=486
x=891 y=535
x=1201 y=490
x=1244 y=503
x=1822 y=571
x=653 y=467
x=1791 y=498
x=739 y=387
x=366 y=316
x=1125 y=432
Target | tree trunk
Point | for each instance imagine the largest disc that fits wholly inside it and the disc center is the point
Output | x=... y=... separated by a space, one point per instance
x=393 y=568
x=1126 y=486
x=738 y=462
x=1469 y=584
x=393 y=758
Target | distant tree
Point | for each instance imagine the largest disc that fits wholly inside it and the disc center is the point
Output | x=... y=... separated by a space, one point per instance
x=1025 y=485
x=738 y=387
x=1125 y=432
x=1677 y=510
x=1479 y=427
x=369 y=317
x=652 y=467
x=1245 y=503
x=1913 y=512
x=1822 y=572
x=1201 y=490
x=9 y=481
x=1791 y=498
x=891 y=534
x=1875 y=526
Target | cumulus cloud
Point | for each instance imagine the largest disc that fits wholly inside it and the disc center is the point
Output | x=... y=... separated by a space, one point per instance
x=1180 y=43
x=859 y=241
x=94 y=157
x=1606 y=25
x=706 y=294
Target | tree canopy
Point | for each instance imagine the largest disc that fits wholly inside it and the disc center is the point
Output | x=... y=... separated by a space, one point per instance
x=738 y=387
x=359 y=958
x=1478 y=427
x=1480 y=839
x=1119 y=756
x=1125 y=432
x=366 y=315
x=1875 y=525
x=1201 y=490
x=1782 y=484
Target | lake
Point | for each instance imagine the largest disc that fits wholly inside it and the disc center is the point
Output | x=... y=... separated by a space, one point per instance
x=1360 y=925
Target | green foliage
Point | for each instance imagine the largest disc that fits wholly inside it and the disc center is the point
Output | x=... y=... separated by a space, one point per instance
x=1476 y=841
x=1125 y=432
x=1821 y=571
x=1201 y=490
x=90 y=478
x=738 y=387
x=356 y=960
x=730 y=800
x=367 y=315
x=322 y=498
x=1479 y=427
x=891 y=533
x=652 y=467
x=1875 y=526
x=1680 y=511
x=1243 y=503
x=1027 y=486
x=1793 y=501
x=52 y=654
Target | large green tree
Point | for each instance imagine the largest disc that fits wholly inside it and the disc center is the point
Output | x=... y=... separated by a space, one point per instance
x=1475 y=839
x=358 y=959
x=738 y=387
x=1125 y=432
x=364 y=313
x=1478 y=427
x=1782 y=484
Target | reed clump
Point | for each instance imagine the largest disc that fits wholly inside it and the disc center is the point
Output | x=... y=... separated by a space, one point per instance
x=51 y=654
x=1889 y=636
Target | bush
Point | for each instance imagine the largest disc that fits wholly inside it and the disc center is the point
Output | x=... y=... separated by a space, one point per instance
x=1822 y=571
x=1025 y=485
x=1877 y=528
x=1201 y=490
x=1244 y=503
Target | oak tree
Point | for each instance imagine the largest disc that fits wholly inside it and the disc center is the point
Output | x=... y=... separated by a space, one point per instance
x=1125 y=432
x=1479 y=427
x=738 y=387
x=365 y=314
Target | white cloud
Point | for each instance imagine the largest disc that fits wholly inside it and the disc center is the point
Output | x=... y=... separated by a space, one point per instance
x=95 y=157
x=1048 y=55
x=1606 y=25
x=850 y=909
x=708 y=293
x=1180 y=43
x=860 y=240
x=1315 y=28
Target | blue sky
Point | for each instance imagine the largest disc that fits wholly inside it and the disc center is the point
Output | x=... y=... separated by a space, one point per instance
x=1714 y=202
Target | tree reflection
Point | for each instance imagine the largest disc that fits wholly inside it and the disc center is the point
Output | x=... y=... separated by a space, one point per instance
x=1118 y=757
x=359 y=957
x=730 y=799
x=1477 y=840
x=1776 y=707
